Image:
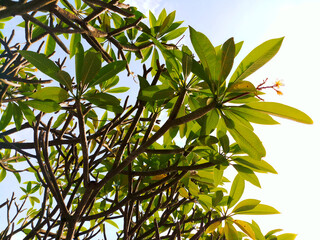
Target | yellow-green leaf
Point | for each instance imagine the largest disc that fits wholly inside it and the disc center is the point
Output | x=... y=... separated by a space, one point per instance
x=281 y=110
x=236 y=191
x=287 y=236
x=213 y=227
x=260 y=209
x=230 y=231
x=56 y=94
x=245 y=227
x=246 y=205
x=241 y=87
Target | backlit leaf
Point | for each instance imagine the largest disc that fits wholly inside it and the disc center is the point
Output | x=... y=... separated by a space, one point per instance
x=6 y=116
x=237 y=189
x=247 y=174
x=242 y=87
x=260 y=209
x=245 y=205
x=287 y=236
x=46 y=106
x=56 y=94
x=245 y=227
x=91 y=66
x=256 y=59
x=213 y=227
x=17 y=116
x=281 y=110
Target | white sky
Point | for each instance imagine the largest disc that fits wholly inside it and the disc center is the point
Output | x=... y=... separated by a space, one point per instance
x=291 y=147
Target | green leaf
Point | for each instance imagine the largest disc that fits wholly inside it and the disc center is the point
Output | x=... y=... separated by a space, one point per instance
x=272 y=232
x=242 y=87
x=230 y=231
x=246 y=205
x=56 y=94
x=41 y=62
x=118 y=90
x=281 y=110
x=75 y=39
x=161 y=17
x=50 y=45
x=27 y=112
x=247 y=140
x=193 y=188
x=287 y=236
x=253 y=115
x=152 y=20
x=205 y=52
x=237 y=189
x=205 y=201
x=79 y=57
x=256 y=59
x=46 y=106
x=247 y=174
x=260 y=209
x=17 y=116
x=245 y=227
x=256 y=165
x=173 y=34
x=64 y=78
x=6 y=116
x=156 y=92
x=227 y=57
x=91 y=66
x=102 y=98
x=186 y=65
x=60 y=119
x=107 y=72
x=167 y=22
x=3 y=174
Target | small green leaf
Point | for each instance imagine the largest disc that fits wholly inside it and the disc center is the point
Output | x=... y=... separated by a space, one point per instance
x=186 y=65
x=173 y=34
x=237 y=189
x=60 y=119
x=17 y=116
x=247 y=174
x=281 y=110
x=107 y=72
x=56 y=94
x=50 y=45
x=75 y=39
x=46 y=106
x=79 y=56
x=256 y=59
x=287 y=236
x=118 y=90
x=91 y=66
x=260 y=209
x=27 y=112
x=272 y=232
x=6 y=116
x=3 y=174
x=246 y=205
x=242 y=87
x=167 y=22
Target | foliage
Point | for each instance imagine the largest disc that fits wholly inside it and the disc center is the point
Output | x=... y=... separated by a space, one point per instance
x=154 y=168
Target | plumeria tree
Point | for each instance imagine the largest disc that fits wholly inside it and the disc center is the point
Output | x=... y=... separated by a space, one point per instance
x=152 y=165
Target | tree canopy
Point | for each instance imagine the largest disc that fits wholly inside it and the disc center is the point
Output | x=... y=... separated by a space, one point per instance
x=151 y=165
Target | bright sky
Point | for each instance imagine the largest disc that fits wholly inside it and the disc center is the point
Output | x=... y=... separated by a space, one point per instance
x=290 y=146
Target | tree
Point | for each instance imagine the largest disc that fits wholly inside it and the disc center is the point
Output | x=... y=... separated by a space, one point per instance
x=155 y=167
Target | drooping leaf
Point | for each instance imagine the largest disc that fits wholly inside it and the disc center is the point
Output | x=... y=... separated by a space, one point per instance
x=256 y=59
x=56 y=94
x=27 y=112
x=237 y=189
x=247 y=140
x=213 y=227
x=281 y=110
x=79 y=57
x=46 y=106
x=247 y=174
x=256 y=165
x=245 y=227
x=3 y=174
